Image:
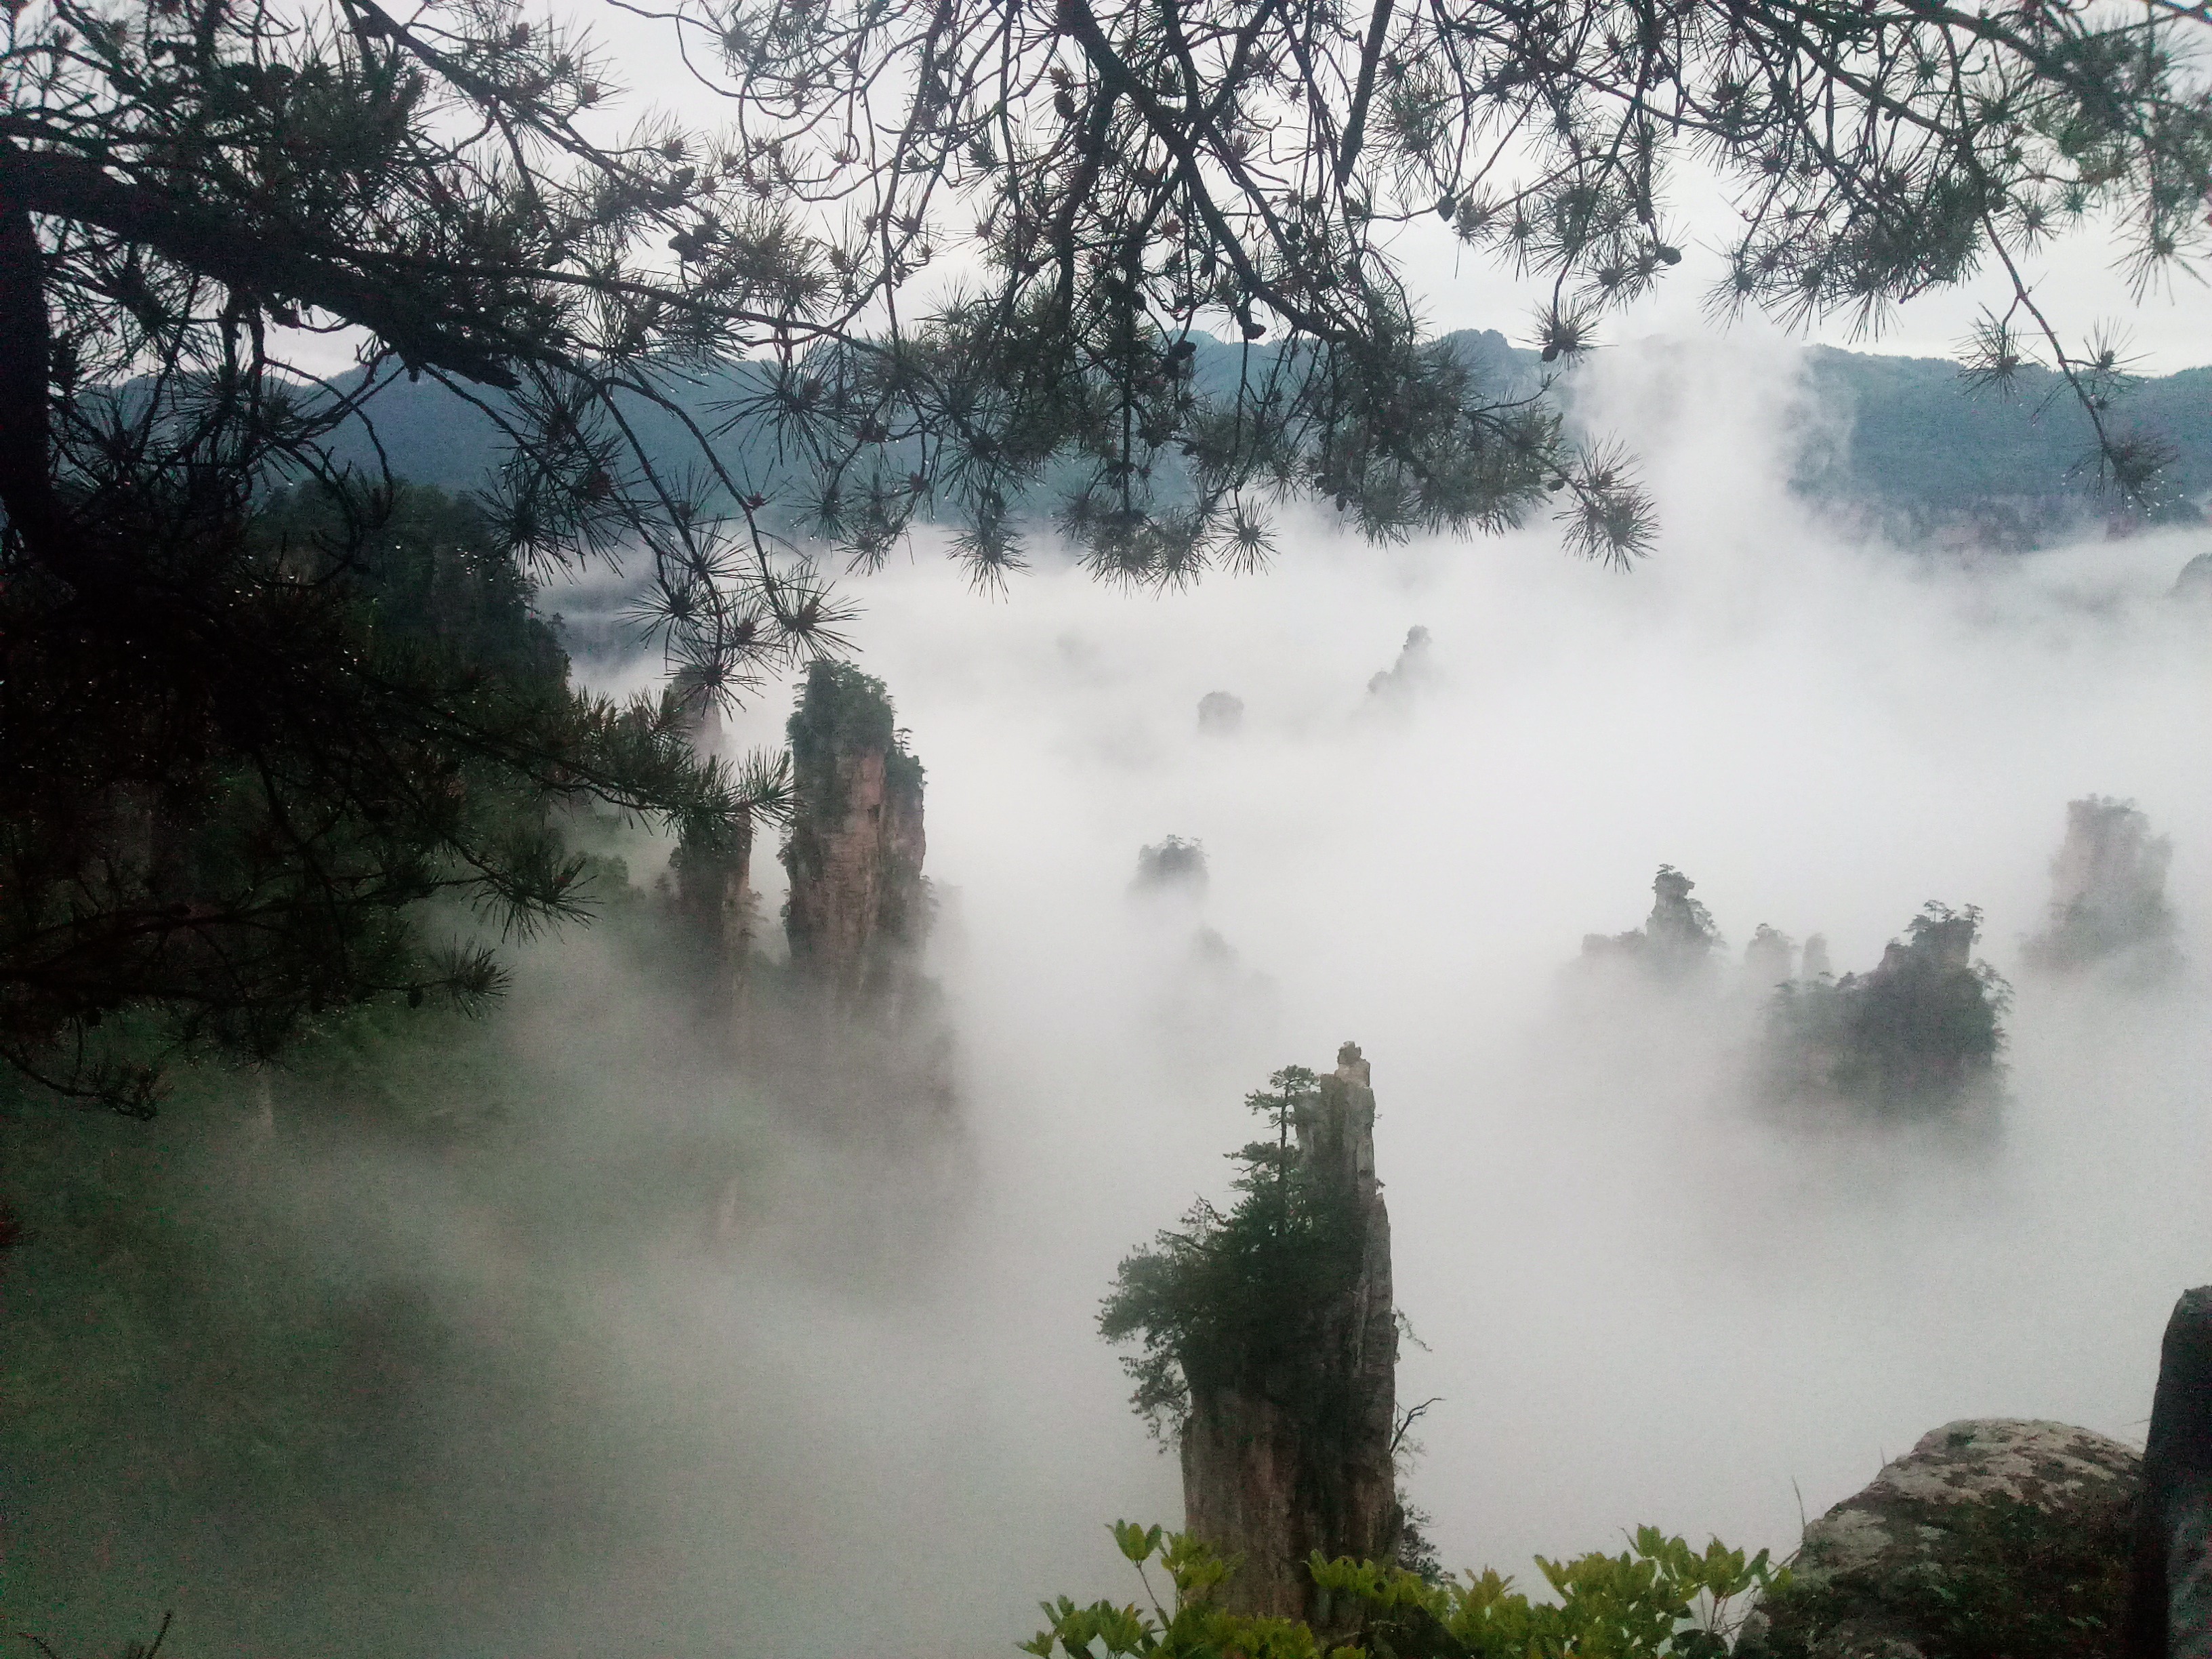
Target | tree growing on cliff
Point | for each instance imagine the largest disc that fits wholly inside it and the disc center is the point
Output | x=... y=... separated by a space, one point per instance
x=1232 y=1291
x=1921 y=1033
x=190 y=189
x=225 y=809
x=1678 y=940
x=1269 y=1341
x=859 y=909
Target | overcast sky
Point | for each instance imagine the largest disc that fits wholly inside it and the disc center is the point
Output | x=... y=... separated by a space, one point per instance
x=2161 y=332
x=2074 y=283
x=2164 y=330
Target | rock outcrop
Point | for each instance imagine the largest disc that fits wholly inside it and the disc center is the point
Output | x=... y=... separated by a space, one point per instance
x=1919 y=1034
x=1294 y=1455
x=2170 y=1604
x=1396 y=687
x=1174 y=867
x=718 y=910
x=1991 y=1536
x=2108 y=895
x=1771 y=959
x=1199 y=992
x=857 y=913
x=1678 y=940
x=1221 y=714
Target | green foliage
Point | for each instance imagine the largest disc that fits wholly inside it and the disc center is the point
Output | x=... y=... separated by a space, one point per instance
x=842 y=712
x=1658 y=1598
x=1916 y=1034
x=1417 y=1551
x=1229 y=1294
x=185 y=186
x=1190 y=1628
x=429 y=180
x=1920 y=459
x=2005 y=1580
x=215 y=840
x=428 y=573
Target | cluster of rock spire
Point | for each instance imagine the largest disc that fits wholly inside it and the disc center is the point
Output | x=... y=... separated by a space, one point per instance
x=1921 y=1031
x=858 y=910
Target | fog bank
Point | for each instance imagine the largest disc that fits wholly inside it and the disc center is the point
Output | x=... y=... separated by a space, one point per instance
x=865 y=1411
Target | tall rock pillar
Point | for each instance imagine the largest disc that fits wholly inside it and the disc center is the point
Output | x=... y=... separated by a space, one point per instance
x=1294 y=1455
x=715 y=901
x=858 y=910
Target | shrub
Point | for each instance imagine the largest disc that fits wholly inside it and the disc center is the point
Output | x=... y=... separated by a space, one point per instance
x=1659 y=1599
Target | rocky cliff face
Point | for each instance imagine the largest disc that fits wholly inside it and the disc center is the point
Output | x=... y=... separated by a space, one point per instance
x=2170 y=1610
x=1677 y=941
x=712 y=899
x=858 y=910
x=2108 y=894
x=717 y=908
x=1294 y=1455
x=1921 y=1034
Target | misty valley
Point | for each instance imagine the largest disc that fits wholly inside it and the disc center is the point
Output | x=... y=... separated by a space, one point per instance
x=736 y=1282
x=1108 y=829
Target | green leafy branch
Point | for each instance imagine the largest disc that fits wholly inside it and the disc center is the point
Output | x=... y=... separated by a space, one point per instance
x=1659 y=1599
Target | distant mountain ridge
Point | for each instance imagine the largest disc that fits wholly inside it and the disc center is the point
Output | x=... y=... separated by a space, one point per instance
x=1921 y=457
x=1926 y=456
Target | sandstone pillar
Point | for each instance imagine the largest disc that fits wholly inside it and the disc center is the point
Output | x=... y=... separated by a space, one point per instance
x=858 y=908
x=714 y=900
x=1294 y=1455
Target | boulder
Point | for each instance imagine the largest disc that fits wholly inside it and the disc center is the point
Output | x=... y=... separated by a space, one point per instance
x=1993 y=1536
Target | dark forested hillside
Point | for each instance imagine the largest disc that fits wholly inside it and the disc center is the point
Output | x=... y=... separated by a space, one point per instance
x=1902 y=445
x=1904 y=440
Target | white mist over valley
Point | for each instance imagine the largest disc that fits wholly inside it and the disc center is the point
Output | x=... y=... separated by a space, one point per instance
x=721 y=1370
x=885 y=1420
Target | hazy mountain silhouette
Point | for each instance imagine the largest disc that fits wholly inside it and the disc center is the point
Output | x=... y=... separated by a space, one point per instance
x=1901 y=444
